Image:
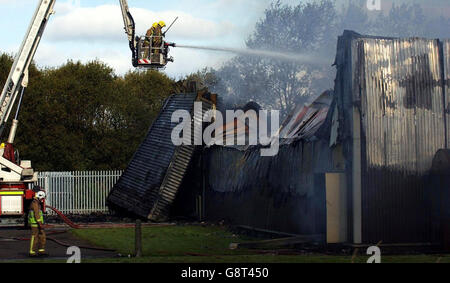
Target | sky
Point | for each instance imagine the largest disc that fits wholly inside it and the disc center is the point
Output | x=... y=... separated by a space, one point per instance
x=86 y=30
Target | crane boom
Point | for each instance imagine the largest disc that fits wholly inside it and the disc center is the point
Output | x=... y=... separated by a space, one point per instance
x=18 y=76
x=130 y=29
x=127 y=20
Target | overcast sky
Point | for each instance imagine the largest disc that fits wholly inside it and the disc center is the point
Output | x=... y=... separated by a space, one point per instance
x=93 y=29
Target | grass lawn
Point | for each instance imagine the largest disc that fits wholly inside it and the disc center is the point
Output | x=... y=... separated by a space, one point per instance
x=165 y=241
x=196 y=244
x=273 y=259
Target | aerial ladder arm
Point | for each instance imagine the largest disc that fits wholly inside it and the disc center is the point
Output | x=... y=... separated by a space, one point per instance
x=18 y=77
x=15 y=86
x=130 y=29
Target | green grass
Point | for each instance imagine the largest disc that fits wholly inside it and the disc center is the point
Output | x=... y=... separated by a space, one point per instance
x=166 y=241
x=258 y=259
x=272 y=259
x=196 y=244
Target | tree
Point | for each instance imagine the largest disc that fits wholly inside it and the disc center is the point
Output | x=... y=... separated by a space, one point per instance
x=310 y=28
x=277 y=84
x=6 y=62
x=84 y=117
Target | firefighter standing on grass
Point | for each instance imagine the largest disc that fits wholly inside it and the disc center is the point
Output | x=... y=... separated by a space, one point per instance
x=36 y=220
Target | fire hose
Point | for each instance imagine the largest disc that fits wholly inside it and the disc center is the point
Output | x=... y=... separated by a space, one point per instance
x=64 y=218
x=76 y=226
x=68 y=222
x=60 y=243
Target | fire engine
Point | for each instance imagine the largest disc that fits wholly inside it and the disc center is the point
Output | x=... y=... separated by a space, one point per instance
x=17 y=177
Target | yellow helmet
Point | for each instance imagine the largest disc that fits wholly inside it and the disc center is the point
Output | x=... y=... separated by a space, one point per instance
x=155 y=25
x=162 y=24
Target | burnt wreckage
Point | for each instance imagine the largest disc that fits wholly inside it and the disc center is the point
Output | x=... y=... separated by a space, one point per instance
x=365 y=163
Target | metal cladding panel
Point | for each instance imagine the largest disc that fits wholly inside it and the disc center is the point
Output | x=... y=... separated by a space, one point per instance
x=446 y=60
x=281 y=193
x=401 y=103
x=396 y=84
x=138 y=189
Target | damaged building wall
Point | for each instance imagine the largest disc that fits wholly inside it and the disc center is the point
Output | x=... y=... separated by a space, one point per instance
x=446 y=80
x=392 y=109
x=283 y=193
x=390 y=117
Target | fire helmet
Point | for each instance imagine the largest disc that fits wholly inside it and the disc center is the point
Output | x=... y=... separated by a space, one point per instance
x=40 y=195
x=162 y=24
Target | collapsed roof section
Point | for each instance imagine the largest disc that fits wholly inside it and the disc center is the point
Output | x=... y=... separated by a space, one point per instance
x=306 y=120
x=150 y=184
x=303 y=123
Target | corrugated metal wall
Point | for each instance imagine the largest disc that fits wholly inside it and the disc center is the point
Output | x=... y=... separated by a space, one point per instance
x=282 y=193
x=403 y=128
x=397 y=86
x=446 y=60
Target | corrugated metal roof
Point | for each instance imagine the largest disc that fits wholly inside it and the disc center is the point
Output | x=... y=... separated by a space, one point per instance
x=143 y=189
x=302 y=123
x=306 y=120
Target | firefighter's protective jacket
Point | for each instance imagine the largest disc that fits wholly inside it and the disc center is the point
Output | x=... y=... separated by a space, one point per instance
x=35 y=217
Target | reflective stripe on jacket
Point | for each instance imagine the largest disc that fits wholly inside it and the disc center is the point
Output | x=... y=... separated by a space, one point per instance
x=35 y=210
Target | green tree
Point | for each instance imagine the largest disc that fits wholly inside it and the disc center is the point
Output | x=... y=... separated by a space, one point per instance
x=84 y=117
x=6 y=62
x=141 y=96
x=276 y=84
x=305 y=28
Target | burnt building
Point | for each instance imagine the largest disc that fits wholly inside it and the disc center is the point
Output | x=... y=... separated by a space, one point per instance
x=355 y=166
x=364 y=175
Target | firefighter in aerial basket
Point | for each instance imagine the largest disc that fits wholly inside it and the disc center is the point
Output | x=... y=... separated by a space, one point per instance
x=154 y=34
x=158 y=39
x=36 y=220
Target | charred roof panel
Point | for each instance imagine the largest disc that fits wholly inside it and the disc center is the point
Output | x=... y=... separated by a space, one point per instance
x=137 y=191
x=306 y=120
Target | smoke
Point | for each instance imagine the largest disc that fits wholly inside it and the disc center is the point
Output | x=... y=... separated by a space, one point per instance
x=309 y=58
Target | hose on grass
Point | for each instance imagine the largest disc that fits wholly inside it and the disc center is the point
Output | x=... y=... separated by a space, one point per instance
x=64 y=218
x=59 y=243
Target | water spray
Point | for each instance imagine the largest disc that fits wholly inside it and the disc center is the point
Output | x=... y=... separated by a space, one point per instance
x=282 y=56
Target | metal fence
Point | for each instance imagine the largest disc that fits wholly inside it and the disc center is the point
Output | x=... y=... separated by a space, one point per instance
x=80 y=192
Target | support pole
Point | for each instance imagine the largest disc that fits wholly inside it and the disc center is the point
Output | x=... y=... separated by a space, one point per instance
x=138 y=238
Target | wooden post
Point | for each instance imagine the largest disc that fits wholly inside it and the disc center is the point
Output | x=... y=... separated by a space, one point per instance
x=138 y=238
